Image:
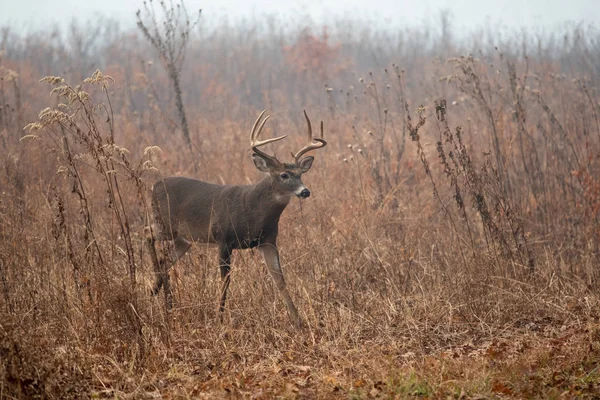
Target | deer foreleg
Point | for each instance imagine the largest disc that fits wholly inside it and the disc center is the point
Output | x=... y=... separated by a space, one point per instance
x=271 y=257
x=225 y=267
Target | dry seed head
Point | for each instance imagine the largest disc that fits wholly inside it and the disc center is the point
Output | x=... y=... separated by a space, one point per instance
x=152 y=150
x=32 y=127
x=149 y=166
x=49 y=115
x=52 y=80
x=32 y=137
x=83 y=96
x=113 y=148
x=63 y=106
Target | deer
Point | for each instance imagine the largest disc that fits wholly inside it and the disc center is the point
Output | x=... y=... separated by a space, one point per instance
x=233 y=217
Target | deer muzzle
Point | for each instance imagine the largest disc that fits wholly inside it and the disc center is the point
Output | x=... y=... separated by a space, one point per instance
x=304 y=193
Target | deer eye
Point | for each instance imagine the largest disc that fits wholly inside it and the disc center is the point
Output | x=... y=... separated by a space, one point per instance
x=284 y=176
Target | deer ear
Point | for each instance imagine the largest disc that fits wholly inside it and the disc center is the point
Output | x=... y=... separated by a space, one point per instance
x=306 y=163
x=260 y=163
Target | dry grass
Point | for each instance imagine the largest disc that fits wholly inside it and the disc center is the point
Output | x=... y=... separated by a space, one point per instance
x=448 y=250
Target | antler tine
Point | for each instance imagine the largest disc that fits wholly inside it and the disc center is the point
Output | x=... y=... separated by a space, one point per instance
x=317 y=144
x=309 y=125
x=255 y=133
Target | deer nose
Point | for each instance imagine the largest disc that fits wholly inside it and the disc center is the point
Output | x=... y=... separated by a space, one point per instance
x=304 y=194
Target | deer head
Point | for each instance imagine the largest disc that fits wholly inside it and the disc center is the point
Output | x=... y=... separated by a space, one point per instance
x=286 y=178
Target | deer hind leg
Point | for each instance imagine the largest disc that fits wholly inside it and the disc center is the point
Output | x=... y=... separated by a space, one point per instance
x=225 y=267
x=153 y=233
x=161 y=267
x=150 y=242
x=181 y=247
x=271 y=257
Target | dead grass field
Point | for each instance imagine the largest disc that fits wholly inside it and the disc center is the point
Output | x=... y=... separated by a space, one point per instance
x=450 y=248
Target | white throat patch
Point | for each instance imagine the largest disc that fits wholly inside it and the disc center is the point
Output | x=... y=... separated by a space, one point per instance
x=282 y=198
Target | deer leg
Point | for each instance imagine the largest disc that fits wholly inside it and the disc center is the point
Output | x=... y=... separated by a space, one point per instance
x=225 y=267
x=150 y=242
x=161 y=267
x=271 y=257
x=181 y=247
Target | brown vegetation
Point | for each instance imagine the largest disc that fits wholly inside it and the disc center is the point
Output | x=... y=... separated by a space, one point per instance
x=451 y=245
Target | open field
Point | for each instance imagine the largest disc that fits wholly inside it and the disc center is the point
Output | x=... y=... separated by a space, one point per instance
x=450 y=247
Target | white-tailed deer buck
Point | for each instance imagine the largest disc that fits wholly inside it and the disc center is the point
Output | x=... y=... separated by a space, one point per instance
x=231 y=216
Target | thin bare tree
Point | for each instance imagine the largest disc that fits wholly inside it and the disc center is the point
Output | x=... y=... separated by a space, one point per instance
x=170 y=38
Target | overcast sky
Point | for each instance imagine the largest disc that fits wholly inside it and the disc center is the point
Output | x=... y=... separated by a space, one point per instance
x=466 y=14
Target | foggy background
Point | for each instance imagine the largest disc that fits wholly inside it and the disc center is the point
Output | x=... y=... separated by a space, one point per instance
x=465 y=14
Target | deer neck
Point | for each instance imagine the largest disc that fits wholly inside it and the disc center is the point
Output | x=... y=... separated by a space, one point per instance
x=270 y=199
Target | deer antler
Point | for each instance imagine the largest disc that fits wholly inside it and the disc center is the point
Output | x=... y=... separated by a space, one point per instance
x=317 y=144
x=255 y=133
